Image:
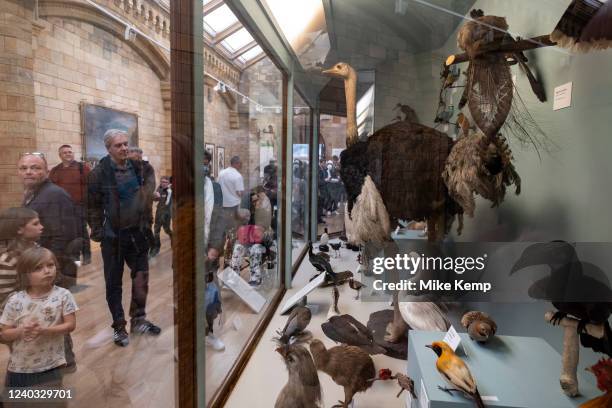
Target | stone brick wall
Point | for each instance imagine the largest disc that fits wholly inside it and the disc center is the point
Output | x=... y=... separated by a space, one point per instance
x=333 y=130
x=50 y=66
x=17 y=113
x=76 y=62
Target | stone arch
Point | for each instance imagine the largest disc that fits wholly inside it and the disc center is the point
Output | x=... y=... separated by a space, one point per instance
x=70 y=9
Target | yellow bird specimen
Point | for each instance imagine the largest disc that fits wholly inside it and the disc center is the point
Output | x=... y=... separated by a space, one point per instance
x=455 y=372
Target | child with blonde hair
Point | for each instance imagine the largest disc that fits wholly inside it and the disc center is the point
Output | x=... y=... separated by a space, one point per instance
x=35 y=320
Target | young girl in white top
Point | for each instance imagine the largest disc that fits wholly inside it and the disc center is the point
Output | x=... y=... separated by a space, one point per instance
x=35 y=320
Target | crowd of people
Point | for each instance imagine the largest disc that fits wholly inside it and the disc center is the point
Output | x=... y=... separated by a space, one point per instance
x=330 y=189
x=45 y=241
x=237 y=225
x=49 y=236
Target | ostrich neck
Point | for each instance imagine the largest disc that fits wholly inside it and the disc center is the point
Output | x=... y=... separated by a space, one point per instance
x=350 y=90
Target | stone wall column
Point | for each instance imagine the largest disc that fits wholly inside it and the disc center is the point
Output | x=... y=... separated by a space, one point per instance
x=17 y=116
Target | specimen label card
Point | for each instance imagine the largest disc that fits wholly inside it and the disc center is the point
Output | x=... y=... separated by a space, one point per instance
x=452 y=338
x=309 y=287
x=563 y=96
x=240 y=287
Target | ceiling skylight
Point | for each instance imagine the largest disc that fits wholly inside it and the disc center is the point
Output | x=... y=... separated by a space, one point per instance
x=237 y=40
x=219 y=19
x=250 y=54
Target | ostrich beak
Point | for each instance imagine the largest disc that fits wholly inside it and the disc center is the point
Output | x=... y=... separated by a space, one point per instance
x=331 y=72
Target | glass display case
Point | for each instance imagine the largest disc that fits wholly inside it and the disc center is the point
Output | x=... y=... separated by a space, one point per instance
x=301 y=171
x=206 y=203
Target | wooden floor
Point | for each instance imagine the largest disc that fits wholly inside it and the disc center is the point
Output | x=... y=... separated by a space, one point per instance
x=238 y=322
x=139 y=375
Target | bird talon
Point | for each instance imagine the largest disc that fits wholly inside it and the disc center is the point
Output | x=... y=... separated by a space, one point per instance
x=557 y=317
x=445 y=389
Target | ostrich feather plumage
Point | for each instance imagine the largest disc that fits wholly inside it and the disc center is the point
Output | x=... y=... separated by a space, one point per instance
x=393 y=175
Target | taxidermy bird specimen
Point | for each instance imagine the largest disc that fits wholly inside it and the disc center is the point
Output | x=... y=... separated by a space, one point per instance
x=323 y=247
x=575 y=288
x=603 y=372
x=303 y=389
x=405 y=383
x=456 y=373
x=348 y=330
x=586 y=25
x=426 y=316
x=394 y=174
x=409 y=113
x=336 y=247
x=317 y=259
x=479 y=325
x=297 y=321
x=480 y=165
x=321 y=263
x=333 y=308
x=356 y=285
x=489 y=90
x=349 y=367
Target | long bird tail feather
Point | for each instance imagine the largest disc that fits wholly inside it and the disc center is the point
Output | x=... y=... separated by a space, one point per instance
x=478 y=400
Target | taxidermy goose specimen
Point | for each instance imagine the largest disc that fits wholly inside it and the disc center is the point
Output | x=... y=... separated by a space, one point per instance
x=394 y=174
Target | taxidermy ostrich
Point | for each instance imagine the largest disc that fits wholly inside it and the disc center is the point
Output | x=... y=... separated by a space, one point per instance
x=394 y=174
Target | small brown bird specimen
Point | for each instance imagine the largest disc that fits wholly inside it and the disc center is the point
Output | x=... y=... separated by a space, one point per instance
x=349 y=367
x=356 y=285
x=455 y=372
x=406 y=383
x=296 y=323
x=479 y=326
x=303 y=389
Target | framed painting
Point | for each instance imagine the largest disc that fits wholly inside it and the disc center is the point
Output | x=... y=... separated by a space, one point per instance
x=210 y=148
x=220 y=158
x=95 y=121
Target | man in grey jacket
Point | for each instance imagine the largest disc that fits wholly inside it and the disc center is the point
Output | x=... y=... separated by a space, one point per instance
x=60 y=220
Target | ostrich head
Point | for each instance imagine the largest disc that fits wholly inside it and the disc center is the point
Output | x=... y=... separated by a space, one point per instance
x=340 y=70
